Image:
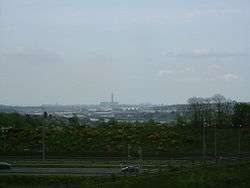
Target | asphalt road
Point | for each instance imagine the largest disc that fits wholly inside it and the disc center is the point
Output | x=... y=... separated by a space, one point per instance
x=62 y=171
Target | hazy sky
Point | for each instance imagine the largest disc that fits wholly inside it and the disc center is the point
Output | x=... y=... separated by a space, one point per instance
x=158 y=51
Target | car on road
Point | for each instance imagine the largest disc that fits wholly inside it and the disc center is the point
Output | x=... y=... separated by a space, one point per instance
x=4 y=165
x=130 y=170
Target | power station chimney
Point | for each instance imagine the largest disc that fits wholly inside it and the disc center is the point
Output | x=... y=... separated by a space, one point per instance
x=112 y=98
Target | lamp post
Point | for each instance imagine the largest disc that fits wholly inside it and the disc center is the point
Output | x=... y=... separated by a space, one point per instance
x=4 y=132
x=239 y=140
x=204 y=142
x=4 y=139
x=45 y=115
x=129 y=148
x=215 y=142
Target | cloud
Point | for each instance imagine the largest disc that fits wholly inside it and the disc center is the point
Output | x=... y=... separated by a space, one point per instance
x=175 y=72
x=205 y=53
x=230 y=77
x=215 y=67
x=201 y=13
x=193 y=73
x=98 y=58
x=163 y=73
x=186 y=70
x=31 y=56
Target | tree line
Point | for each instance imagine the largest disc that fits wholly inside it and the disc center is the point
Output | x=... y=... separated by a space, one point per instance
x=216 y=111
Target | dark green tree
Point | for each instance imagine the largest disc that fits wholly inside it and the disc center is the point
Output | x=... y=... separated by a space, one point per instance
x=241 y=116
x=74 y=121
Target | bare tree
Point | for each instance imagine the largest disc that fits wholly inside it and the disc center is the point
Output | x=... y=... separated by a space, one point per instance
x=219 y=102
x=199 y=109
x=210 y=112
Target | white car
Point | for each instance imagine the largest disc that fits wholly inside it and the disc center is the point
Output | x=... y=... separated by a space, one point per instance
x=128 y=170
x=4 y=165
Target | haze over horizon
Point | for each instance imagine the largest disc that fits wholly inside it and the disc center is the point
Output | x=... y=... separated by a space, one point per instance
x=78 y=52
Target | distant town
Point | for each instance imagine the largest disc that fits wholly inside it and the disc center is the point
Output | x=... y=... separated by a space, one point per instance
x=106 y=111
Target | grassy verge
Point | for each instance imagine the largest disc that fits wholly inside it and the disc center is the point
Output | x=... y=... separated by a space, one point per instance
x=47 y=181
x=222 y=175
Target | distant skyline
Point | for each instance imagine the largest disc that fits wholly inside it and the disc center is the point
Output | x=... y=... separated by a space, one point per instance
x=159 y=52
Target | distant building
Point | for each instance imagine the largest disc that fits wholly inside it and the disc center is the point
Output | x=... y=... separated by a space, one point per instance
x=112 y=102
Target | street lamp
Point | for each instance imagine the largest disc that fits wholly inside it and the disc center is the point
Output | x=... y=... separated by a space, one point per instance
x=45 y=115
x=4 y=132
x=239 y=139
x=215 y=142
x=204 y=142
x=129 y=148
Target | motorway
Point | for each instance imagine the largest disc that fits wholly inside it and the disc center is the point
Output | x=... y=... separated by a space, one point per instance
x=62 y=171
x=103 y=171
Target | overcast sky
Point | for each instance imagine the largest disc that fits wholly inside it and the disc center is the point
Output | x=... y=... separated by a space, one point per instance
x=157 y=51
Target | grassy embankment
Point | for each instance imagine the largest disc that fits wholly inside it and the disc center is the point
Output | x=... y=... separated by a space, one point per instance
x=223 y=175
x=156 y=141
